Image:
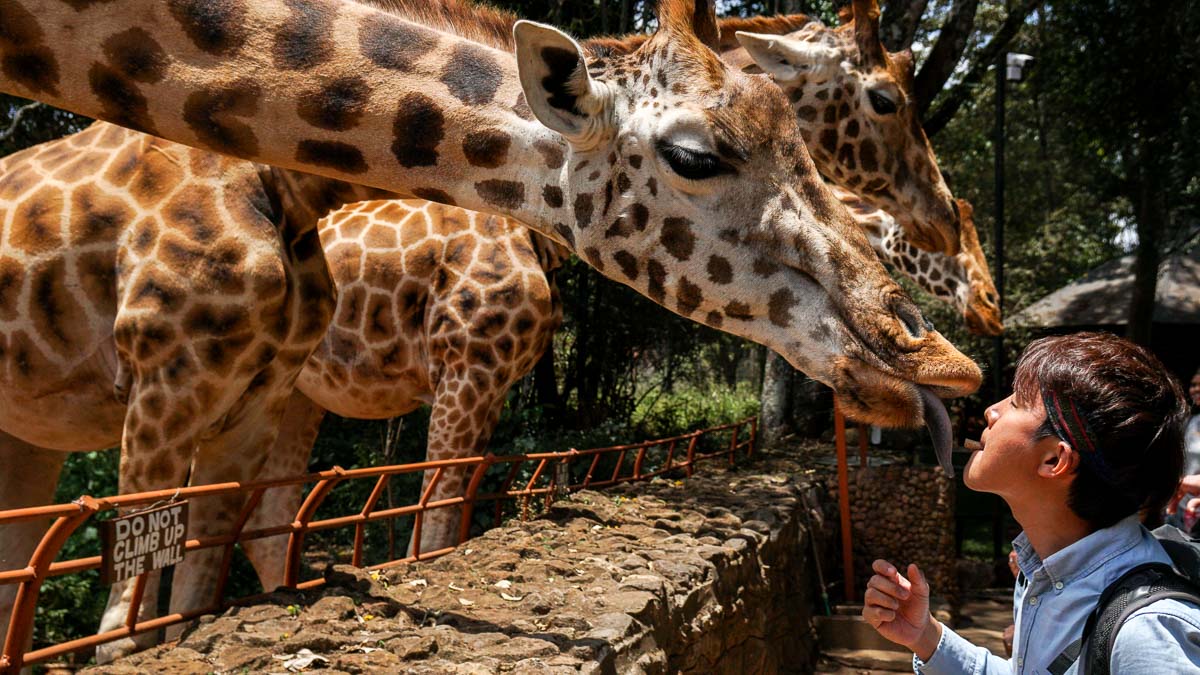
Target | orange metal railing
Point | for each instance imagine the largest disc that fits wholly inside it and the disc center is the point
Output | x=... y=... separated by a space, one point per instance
x=541 y=484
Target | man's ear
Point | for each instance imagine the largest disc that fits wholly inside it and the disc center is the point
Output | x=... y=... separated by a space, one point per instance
x=1059 y=461
x=788 y=59
x=554 y=77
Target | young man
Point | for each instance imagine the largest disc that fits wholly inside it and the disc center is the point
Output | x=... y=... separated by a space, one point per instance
x=1091 y=437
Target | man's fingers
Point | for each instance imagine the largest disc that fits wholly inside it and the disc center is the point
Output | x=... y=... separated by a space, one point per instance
x=877 y=598
x=884 y=567
x=888 y=587
x=919 y=585
x=1192 y=506
x=876 y=615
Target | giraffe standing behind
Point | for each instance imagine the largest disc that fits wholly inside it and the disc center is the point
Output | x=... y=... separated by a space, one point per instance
x=152 y=296
x=468 y=307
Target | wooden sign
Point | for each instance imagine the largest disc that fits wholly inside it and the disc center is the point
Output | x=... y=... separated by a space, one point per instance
x=142 y=542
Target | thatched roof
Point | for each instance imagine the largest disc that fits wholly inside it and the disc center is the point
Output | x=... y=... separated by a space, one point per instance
x=1101 y=297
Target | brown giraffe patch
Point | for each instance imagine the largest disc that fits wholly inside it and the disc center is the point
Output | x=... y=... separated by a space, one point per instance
x=135 y=54
x=379 y=317
x=122 y=101
x=99 y=215
x=218 y=28
x=553 y=196
x=677 y=237
x=779 y=307
x=487 y=148
x=190 y=212
x=331 y=154
x=583 y=210
x=305 y=39
x=719 y=270
x=337 y=105
x=689 y=297
x=51 y=304
x=24 y=57
x=42 y=216
x=505 y=194
x=417 y=130
x=552 y=153
x=392 y=43
x=866 y=155
x=657 y=274
x=828 y=140
x=714 y=319
x=472 y=74
x=736 y=309
x=207 y=112
x=628 y=264
x=12 y=273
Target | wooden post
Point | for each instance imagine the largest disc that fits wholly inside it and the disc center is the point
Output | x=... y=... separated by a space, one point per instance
x=863 y=430
x=839 y=427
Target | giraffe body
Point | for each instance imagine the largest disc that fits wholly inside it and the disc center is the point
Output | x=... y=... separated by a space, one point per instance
x=155 y=297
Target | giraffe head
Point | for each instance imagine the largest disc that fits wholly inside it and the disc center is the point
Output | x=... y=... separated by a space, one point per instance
x=854 y=100
x=962 y=280
x=981 y=302
x=689 y=181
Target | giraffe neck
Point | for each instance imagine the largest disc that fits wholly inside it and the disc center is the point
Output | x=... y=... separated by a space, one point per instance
x=328 y=102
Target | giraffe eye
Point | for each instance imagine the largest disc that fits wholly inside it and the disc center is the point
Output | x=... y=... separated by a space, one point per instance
x=881 y=103
x=692 y=164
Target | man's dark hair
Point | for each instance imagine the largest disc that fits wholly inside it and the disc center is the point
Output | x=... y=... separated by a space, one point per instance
x=1133 y=412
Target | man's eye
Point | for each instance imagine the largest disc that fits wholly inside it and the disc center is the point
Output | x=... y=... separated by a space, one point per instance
x=882 y=104
x=691 y=164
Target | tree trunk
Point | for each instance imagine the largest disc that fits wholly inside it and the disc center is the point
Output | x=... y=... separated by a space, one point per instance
x=545 y=382
x=982 y=60
x=776 y=397
x=604 y=17
x=900 y=21
x=946 y=53
x=1151 y=222
x=626 y=12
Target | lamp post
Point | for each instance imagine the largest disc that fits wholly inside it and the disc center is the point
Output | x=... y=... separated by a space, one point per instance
x=1010 y=68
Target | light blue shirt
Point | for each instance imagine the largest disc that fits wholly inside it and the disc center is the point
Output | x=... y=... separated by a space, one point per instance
x=1053 y=599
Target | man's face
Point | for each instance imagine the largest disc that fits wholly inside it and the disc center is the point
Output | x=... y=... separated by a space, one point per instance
x=1194 y=389
x=1009 y=457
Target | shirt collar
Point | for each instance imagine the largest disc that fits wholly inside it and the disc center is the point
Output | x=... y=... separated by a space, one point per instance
x=1081 y=557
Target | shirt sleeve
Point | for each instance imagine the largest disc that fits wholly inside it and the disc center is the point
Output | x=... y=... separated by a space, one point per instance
x=1162 y=638
x=954 y=655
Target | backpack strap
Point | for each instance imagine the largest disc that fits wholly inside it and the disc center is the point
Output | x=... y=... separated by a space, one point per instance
x=1134 y=590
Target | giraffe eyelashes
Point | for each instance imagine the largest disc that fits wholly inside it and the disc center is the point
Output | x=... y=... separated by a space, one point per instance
x=881 y=103
x=692 y=164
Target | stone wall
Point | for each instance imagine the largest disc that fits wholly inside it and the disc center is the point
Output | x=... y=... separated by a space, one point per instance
x=902 y=514
x=712 y=574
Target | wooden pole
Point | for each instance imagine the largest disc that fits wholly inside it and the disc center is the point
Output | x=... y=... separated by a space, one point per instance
x=839 y=427
x=863 y=430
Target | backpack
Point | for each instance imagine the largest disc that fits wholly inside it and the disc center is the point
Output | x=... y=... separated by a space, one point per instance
x=1134 y=590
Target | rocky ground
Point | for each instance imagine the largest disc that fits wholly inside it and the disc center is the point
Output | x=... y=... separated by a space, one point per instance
x=710 y=574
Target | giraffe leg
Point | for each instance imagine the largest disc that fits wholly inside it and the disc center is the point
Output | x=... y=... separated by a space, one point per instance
x=32 y=485
x=235 y=453
x=455 y=431
x=151 y=462
x=289 y=457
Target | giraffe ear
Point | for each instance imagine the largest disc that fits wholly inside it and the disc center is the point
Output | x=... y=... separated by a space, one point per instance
x=787 y=59
x=554 y=77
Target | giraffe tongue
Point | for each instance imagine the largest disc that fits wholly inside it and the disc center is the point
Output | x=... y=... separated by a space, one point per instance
x=937 y=420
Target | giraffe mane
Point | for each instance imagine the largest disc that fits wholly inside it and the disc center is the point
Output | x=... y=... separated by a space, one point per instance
x=473 y=21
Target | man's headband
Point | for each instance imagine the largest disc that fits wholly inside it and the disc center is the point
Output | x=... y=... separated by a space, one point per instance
x=1071 y=427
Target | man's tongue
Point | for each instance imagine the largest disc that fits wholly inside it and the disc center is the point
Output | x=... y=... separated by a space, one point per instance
x=937 y=420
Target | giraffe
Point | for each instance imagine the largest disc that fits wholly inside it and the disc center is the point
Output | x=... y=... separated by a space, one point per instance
x=153 y=296
x=692 y=158
x=962 y=281
x=665 y=169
